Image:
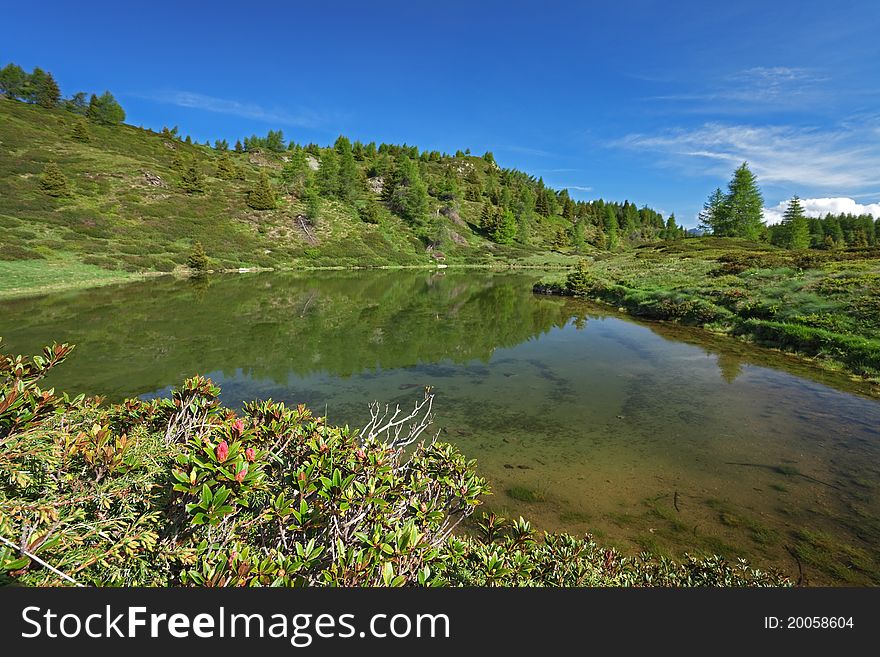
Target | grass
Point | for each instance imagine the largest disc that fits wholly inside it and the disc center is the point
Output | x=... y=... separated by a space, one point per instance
x=820 y=304
x=114 y=219
x=21 y=278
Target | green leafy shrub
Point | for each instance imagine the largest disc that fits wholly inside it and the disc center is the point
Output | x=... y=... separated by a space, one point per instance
x=183 y=491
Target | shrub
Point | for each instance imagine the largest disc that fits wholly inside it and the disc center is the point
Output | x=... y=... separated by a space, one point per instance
x=261 y=197
x=53 y=182
x=183 y=491
x=198 y=259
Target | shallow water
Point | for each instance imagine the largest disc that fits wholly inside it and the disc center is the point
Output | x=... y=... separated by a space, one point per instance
x=650 y=436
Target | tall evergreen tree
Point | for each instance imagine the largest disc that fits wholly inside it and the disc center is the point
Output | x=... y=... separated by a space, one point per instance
x=191 y=179
x=104 y=109
x=714 y=217
x=77 y=103
x=796 y=225
x=408 y=193
x=611 y=226
x=225 y=167
x=348 y=179
x=46 y=91
x=744 y=204
x=13 y=80
x=261 y=196
x=328 y=174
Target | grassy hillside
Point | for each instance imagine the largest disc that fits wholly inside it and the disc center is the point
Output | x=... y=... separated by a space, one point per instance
x=127 y=211
x=824 y=304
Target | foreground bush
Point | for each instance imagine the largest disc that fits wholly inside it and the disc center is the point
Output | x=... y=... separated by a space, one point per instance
x=183 y=491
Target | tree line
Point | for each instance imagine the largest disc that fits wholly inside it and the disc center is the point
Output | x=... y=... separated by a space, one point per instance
x=738 y=212
x=40 y=88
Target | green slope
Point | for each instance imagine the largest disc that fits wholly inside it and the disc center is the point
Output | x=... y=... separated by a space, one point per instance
x=115 y=219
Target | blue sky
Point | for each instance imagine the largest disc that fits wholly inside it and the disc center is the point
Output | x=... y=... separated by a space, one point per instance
x=651 y=101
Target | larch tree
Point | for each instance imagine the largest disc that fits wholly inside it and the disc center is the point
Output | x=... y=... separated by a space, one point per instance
x=261 y=197
x=744 y=205
x=796 y=225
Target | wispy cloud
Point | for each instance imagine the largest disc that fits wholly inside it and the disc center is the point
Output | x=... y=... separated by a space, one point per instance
x=845 y=159
x=579 y=188
x=819 y=207
x=300 y=117
x=755 y=89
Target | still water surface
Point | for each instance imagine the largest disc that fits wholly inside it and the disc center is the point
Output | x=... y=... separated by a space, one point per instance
x=649 y=436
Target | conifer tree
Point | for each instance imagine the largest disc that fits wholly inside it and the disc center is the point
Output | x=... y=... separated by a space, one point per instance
x=295 y=172
x=261 y=197
x=104 y=109
x=80 y=132
x=611 y=227
x=505 y=227
x=312 y=199
x=347 y=175
x=45 y=90
x=328 y=174
x=743 y=204
x=53 y=182
x=796 y=225
x=238 y=147
x=191 y=180
x=198 y=259
x=225 y=167
x=13 y=81
x=369 y=212
x=714 y=217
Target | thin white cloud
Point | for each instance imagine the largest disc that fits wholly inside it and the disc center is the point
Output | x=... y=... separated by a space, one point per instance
x=301 y=117
x=579 y=188
x=844 y=159
x=819 y=207
x=757 y=88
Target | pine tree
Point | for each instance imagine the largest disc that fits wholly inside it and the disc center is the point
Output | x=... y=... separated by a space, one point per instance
x=295 y=172
x=744 y=205
x=13 y=81
x=610 y=227
x=238 y=147
x=671 y=231
x=225 y=167
x=408 y=194
x=796 y=225
x=53 y=181
x=505 y=227
x=45 y=90
x=347 y=175
x=328 y=174
x=80 y=132
x=104 y=109
x=369 y=212
x=198 y=259
x=312 y=199
x=714 y=217
x=191 y=180
x=261 y=197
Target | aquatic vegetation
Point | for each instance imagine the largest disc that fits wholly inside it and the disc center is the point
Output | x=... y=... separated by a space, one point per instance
x=524 y=494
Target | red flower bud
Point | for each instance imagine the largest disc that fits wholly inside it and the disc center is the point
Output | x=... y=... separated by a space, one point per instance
x=424 y=507
x=240 y=475
x=249 y=454
x=238 y=426
x=360 y=454
x=222 y=451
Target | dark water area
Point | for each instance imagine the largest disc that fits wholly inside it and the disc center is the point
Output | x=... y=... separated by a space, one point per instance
x=650 y=436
